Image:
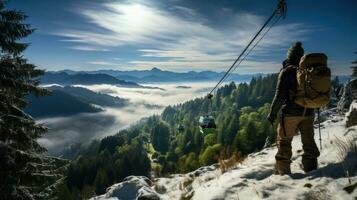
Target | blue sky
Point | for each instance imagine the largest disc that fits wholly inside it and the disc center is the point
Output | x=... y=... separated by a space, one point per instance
x=184 y=35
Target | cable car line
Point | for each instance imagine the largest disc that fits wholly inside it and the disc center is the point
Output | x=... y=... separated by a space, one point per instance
x=207 y=122
x=251 y=49
x=281 y=10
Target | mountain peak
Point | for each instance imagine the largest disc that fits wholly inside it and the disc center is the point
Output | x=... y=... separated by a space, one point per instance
x=155 y=69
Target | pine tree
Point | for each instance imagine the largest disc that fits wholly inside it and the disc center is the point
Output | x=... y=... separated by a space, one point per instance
x=232 y=129
x=101 y=181
x=21 y=158
x=161 y=137
x=354 y=68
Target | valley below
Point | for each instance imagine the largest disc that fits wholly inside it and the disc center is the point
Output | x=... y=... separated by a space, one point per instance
x=66 y=131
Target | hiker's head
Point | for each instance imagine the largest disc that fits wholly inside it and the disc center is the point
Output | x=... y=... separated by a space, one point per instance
x=295 y=53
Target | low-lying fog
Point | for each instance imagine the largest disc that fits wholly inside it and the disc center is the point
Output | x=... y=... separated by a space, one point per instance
x=82 y=128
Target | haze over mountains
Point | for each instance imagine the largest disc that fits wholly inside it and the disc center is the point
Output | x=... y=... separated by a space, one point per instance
x=69 y=100
x=157 y=75
x=64 y=78
x=91 y=97
x=58 y=104
x=134 y=78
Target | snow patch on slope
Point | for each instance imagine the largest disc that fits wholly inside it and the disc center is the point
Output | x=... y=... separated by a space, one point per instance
x=132 y=187
x=254 y=178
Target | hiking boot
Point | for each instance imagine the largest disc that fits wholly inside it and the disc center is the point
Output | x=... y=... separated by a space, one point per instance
x=309 y=165
x=281 y=170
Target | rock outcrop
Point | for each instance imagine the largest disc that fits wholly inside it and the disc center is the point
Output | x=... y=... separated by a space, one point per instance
x=132 y=187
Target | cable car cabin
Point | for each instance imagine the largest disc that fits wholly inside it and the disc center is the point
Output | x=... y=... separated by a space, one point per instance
x=207 y=123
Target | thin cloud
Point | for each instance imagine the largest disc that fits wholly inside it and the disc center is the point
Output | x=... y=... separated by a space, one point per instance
x=102 y=63
x=170 y=95
x=182 y=38
x=88 y=48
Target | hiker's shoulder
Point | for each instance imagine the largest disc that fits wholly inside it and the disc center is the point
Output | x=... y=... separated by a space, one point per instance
x=291 y=69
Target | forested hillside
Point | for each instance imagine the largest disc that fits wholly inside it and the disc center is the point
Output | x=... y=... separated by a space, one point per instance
x=58 y=104
x=240 y=112
x=83 y=78
x=91 y=97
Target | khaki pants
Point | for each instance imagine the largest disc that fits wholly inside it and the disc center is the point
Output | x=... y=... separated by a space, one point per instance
x=285 y=133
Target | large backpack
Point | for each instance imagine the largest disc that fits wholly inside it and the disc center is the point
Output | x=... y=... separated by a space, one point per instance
x=313 y=81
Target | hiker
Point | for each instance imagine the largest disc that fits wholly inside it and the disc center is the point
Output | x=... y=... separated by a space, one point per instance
x=293 y=117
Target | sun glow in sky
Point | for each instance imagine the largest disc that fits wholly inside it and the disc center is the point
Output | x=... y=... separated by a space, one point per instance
x=136 y=15
x=184 y=35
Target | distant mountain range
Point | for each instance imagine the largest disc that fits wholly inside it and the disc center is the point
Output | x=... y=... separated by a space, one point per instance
x=82 y=78
x=68 y=100
x=136 y=77
x=156 y=75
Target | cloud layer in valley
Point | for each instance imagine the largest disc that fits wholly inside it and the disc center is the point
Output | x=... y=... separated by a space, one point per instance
x=82 y=128
x=171 y=94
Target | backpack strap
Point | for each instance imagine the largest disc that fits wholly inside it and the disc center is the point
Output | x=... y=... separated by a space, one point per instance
x=293 y=89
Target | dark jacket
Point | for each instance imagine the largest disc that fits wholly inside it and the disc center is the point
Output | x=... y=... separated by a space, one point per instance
x=284 y=94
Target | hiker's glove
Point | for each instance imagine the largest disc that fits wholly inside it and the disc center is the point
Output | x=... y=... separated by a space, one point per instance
x=271 y=118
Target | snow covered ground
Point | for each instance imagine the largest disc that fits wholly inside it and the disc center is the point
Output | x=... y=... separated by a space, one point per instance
x=254 y=178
